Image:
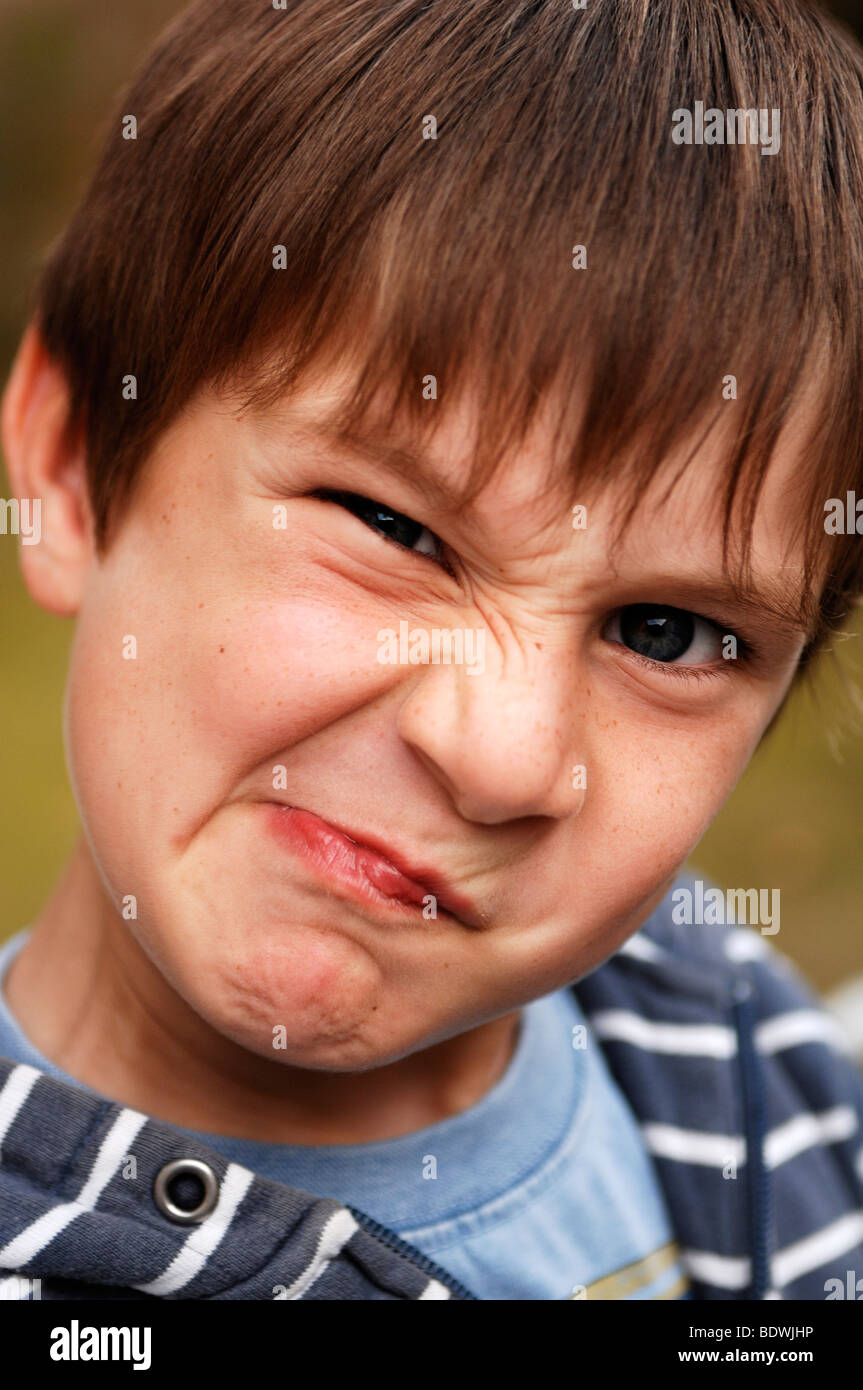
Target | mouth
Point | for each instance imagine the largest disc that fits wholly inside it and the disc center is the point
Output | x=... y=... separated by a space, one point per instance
x=365 y=869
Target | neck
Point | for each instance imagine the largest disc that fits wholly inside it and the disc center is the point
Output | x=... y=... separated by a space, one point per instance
x=93 y=1003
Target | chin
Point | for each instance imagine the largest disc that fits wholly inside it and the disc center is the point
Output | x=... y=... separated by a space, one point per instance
x=311 y=1000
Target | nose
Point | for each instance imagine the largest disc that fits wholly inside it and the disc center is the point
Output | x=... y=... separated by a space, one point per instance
x=504 y=742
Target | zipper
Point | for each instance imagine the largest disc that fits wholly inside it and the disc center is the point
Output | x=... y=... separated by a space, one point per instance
x=759 y=1196
x=409 y=1252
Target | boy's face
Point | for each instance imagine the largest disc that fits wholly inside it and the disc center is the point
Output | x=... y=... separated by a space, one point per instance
x=257 y=649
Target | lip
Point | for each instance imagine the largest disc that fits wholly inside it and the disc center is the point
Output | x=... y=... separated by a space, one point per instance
x=363 y=867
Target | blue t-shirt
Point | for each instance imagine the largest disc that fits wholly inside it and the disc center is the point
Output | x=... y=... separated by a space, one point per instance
x=541 y=1190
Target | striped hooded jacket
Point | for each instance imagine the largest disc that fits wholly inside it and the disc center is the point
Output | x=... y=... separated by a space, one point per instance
x=746 y=1100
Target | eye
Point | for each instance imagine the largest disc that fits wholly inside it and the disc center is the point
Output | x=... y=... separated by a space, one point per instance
x=665 y=635
x=395 y=526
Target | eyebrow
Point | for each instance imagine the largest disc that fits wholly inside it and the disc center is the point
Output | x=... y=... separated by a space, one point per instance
x=766 y=600
x=397 y=459
x=763 y=601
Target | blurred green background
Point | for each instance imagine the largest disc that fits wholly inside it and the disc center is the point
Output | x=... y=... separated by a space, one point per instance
x=793 y=823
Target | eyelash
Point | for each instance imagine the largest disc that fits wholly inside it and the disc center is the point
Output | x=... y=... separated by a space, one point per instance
x=689 y=672
x=680 y=671
x=341 y=498
x=746 y=654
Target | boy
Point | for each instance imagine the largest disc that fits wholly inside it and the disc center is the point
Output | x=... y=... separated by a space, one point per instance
x=434 y=446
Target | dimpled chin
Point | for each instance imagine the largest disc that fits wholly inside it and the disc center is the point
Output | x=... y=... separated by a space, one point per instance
x=316 y=994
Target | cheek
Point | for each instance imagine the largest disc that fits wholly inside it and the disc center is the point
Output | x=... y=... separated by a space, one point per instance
x=107 y=729
x=667 y=785
x=173 y=699
x=271 y=675
x=655 y=791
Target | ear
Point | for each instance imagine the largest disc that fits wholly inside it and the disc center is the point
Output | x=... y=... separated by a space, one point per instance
x=48 y=476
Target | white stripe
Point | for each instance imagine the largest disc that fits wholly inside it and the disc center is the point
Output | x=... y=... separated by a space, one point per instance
x=334 y=1235
x=433 y=1289
x=17 y=1087
x=781 y=1144
x=805 y=1255
x=694 y=1146
x=845 y=1006
x=728 y=1272
x=680 y=1039
x=203 y=1240
x=743 y=944
x=722 y=1271
x=798 y=1026
x=805 y=1131
x=713 y=1040
x=114 y=1148
x=640 y=948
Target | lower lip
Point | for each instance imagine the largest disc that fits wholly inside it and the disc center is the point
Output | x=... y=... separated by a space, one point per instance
x=343 y=864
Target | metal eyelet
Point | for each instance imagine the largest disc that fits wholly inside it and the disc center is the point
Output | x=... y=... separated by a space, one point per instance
x=186 y=1168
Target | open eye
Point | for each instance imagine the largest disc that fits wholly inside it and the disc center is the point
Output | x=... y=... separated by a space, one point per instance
x=395 y=526
x=666 y=635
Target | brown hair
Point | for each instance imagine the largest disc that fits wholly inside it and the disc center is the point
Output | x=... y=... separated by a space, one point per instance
x=303 y=127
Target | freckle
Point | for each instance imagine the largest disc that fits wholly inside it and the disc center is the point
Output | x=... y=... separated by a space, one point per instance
x=200 y=605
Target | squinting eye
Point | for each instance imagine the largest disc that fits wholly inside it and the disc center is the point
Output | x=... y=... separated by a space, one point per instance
x=394 y=525
x=665 y=634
